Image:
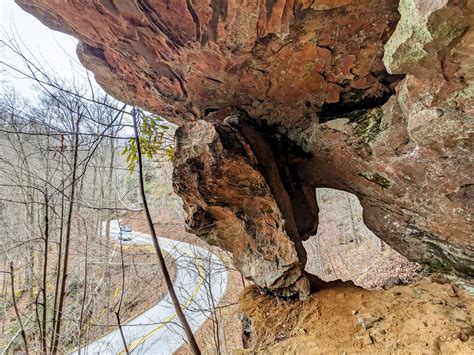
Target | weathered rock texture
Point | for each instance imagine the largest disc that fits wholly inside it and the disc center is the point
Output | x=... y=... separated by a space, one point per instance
x=229 y=203
x=371 y=97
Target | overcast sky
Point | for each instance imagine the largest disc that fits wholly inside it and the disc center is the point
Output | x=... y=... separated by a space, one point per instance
x=49 y=47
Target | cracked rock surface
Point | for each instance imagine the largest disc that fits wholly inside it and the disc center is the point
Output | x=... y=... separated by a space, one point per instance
x=276 y=98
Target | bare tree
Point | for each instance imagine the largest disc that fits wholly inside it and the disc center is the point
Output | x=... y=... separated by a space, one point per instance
x=169 y=283
x=59 y=155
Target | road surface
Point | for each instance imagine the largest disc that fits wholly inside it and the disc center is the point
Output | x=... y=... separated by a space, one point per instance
x=158 y=331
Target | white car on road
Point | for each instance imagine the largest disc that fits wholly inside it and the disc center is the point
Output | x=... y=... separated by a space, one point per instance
x=124 y=233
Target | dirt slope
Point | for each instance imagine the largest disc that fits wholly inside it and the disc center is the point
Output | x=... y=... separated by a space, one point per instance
x=427 y=317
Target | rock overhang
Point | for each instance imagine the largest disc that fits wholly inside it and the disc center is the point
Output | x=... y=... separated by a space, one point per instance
x=306 y=76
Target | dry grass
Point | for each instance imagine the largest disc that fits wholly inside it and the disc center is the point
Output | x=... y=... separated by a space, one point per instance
x=144 y=287
x=272 y=319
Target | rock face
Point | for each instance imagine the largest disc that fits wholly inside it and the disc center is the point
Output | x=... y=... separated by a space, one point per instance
x=229 y=203
x=276 y=98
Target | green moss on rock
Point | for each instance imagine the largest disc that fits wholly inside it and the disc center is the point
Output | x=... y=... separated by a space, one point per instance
x=437 y=266
x=376 y=178
x=370 y=125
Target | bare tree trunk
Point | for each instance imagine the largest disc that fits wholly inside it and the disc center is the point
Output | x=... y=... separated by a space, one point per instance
x=45 y=273
x=125 y=347
x=38 y=321
x=4 y=304
x=84 y=294
x=214 y=315
x=58 y=269
x=31 y=219
x=187 y=329
x=15 y=305
x=62 y=293
x=110 y=176
x=117 y=313
x=107 y=223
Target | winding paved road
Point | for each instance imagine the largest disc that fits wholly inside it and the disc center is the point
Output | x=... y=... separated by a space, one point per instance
x=158 y=331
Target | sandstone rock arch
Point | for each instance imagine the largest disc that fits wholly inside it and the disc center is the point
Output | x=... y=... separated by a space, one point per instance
x=276 y=98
